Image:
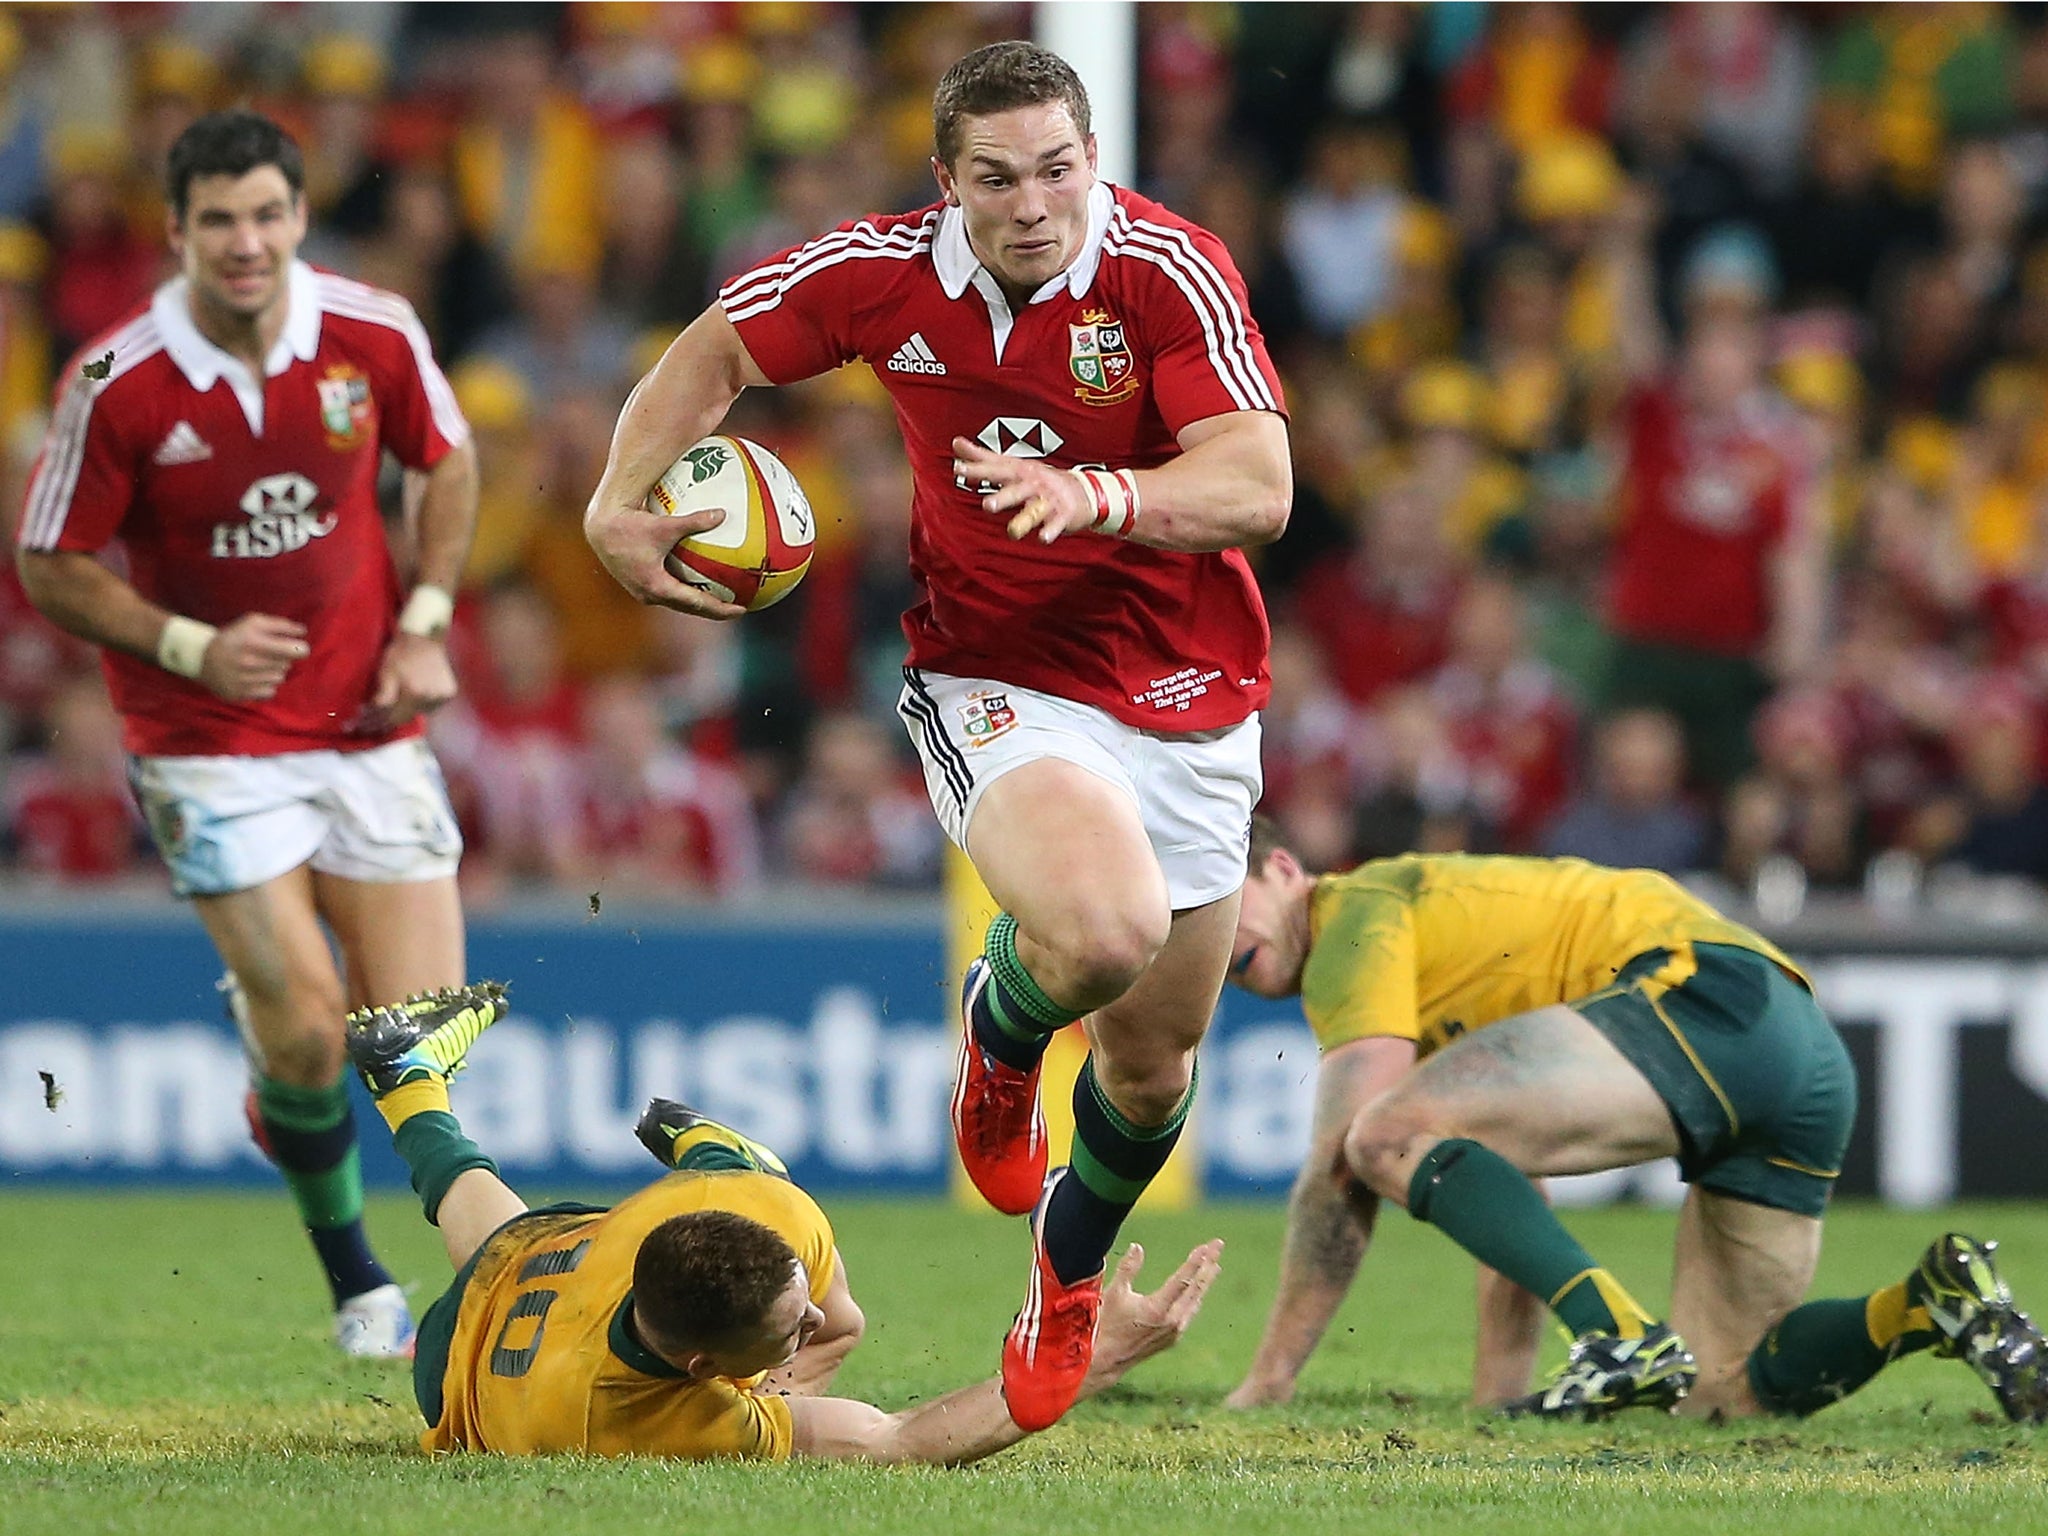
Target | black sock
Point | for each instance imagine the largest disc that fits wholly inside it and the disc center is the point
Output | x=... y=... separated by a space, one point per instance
x=1113 y=1161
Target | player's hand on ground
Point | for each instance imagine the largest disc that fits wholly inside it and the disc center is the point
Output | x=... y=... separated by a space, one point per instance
x=633 y=545
x=249 y=658
x=1041 y=502
x=413 y=678
x=1135 y=1326
x=1254 y=1392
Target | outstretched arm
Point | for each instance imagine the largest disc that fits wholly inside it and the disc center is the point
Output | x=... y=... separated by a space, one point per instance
x=973 y=1422
x=1326 y=1235
x=1231 y=486
x=683 y=398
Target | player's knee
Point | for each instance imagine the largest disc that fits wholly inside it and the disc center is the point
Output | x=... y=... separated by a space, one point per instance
x=299 y=1034
x=1379 y=1150
x=1103 y=954
x=1145 y=1092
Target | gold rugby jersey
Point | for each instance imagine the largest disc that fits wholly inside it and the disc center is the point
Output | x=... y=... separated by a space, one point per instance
x=542 y=1358
x=1427 y=946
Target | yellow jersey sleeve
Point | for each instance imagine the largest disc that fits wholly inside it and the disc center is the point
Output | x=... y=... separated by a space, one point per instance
x=1360 y=977
x=704 y=1421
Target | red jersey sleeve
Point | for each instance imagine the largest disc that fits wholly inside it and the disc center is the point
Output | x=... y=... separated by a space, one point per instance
x=420 y=421
x=1208 y=357
x=795 y=311
x=84 y=478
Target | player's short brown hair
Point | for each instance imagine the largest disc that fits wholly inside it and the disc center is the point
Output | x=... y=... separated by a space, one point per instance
x=703 y=1278
x=1266 y=841
x=230 y=143
x=1000 y=78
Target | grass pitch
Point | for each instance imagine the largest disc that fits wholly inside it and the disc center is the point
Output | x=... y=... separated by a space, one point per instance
x=164 y=1369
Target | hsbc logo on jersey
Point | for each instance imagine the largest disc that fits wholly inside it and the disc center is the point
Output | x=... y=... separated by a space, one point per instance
x=1021 y=437
x=280 y=520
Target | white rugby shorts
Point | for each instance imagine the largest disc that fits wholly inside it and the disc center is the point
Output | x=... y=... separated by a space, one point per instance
x=228 y=823
x=1194 y=792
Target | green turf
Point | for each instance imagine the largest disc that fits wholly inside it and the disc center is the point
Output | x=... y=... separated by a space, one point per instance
x=164 y=1369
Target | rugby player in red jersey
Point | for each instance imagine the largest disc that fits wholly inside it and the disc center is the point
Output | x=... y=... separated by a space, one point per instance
x=1095 y=433
x=269 y=672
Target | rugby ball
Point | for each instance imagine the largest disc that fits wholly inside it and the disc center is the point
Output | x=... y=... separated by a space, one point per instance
x=758 y=554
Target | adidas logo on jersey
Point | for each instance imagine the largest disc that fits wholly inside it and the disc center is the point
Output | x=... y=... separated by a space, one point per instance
x=181 y=445
x=915 y=356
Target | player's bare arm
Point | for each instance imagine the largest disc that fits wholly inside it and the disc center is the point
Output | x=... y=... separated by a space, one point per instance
x=1327 y=1235
x=821 y=1355
x=973 y=1422
x=1231 y=487
x=1509 y=1333
x=414 y=675
x=243 y=661
x=682 y=398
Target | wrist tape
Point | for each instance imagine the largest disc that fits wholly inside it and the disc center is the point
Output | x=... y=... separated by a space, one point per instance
x=181 y=648
x=1115 y=494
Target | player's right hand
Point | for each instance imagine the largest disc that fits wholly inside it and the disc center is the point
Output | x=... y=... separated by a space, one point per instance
x=1134 y=1326
x=249 y=658
x=1258 y=1393
x=634 y=545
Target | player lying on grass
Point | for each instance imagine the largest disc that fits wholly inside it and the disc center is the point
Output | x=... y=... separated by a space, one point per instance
x=1485 y=1021
x=694 y=1319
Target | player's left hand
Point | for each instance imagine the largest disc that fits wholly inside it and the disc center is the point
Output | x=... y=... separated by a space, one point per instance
x=413 y=678
x=1136 y=1326
x=1038 y=499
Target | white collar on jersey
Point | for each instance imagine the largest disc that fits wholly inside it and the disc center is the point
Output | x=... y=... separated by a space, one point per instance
x=205 y=365
x=957 y=265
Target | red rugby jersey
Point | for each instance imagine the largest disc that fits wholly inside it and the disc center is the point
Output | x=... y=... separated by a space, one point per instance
x=1703 y=512
x=1147 y=332
x=235 y=495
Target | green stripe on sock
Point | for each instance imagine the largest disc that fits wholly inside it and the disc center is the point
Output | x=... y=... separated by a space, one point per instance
x=302 y=1109
x=1012 y=986
x=333 y=1198
x=1089 y=1170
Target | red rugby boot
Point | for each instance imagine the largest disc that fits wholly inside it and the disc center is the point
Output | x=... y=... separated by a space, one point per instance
x=1047 y=1352
x=997 y=1124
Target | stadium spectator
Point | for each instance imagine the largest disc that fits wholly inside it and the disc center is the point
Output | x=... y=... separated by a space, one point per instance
x=528 y=172
x=1634 y=814
x=1994 y=819
x=1801 y=799
x=69 y=814
x=1309 y=745
x=1338 y=229
x=1505 y=714
x=653 y=818
x=509 y=744
x=1382 y=614
x=1719 y=565
x=855 y=816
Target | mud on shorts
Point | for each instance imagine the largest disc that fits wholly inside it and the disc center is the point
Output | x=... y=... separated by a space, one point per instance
x=1758 y=1083
x=226 y=824
x=1194 y=791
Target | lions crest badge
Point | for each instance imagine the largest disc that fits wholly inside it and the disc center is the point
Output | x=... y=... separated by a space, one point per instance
x=1099 y=357
x=346 y=409
x=985 y=716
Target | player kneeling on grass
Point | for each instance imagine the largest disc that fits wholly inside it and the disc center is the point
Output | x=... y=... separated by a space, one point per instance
x=694 y=1319
x=1484 y=1021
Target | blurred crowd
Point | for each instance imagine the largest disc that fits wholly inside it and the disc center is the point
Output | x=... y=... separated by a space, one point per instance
x=1669 y=389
